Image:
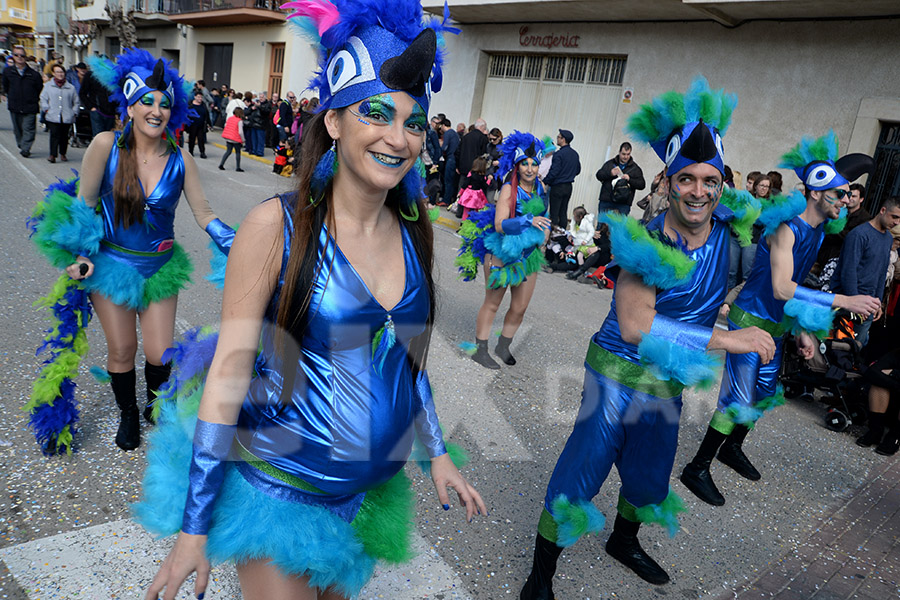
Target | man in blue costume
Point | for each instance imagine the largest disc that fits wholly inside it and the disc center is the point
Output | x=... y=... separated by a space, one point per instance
x=670 y=283
x=773 y=300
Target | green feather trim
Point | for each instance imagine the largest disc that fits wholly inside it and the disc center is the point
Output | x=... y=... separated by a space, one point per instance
x=835 y=225
x=534 y=206
x=434 y=214
x=664 y=514
x=384 y=524
x=171 y=278
x=635 y=250
x=746 y=209
x=534 y=262
x=574 y=520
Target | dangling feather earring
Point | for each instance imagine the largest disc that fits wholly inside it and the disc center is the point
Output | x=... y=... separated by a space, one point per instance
x=126 y=132
x=412 y=190
x=324 y=172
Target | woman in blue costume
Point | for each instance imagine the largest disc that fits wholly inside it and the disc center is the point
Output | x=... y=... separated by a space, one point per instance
x=292 y=467
x=113 y=231
x=671 y=281
x=774 y=300
x=505 y=239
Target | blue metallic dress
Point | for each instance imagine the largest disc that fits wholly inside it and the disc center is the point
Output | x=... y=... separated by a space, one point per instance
x=748 y=387
x=141 y=264
x=629 y=416
x=321 y=439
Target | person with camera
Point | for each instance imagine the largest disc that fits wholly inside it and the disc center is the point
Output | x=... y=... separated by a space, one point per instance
x=620 y=177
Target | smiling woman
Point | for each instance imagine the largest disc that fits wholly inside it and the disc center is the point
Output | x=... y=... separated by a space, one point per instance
x=318 y=378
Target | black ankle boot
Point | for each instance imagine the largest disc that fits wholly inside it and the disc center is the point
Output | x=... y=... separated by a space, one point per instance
x=873 y=435
x=482 y=357
x=155 y=376
x=128 y=436
x=539 y=585
x=732 y=455
x=696 y=476
x=502 y=350
x=623 y=546
x=576 y=273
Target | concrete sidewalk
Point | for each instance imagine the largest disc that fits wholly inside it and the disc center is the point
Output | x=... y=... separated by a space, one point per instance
x=853 y=553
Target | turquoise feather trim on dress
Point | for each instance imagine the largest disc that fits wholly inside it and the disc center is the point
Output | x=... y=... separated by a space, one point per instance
x=665 y=513
x=800 y=316
x=575 y=519
x=781 y=209
x=670 y=361
x=657 y=263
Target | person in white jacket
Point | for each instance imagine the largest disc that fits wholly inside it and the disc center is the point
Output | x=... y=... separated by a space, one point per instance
x=582 y=231
x=59 y=101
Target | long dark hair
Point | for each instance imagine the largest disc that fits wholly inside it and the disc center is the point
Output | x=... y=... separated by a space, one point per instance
x=127 y=193
x=303 y=264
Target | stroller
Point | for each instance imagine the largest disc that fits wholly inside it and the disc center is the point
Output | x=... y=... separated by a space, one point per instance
x=835 y=369
x=81 y=133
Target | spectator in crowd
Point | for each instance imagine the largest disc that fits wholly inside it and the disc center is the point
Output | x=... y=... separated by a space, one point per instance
x=75 y=76
x=729 y=177
x=233 y=134
x=740 y=260
x=23 y=87
x=565 y=168
x=619 y=178
x=59 y=102
x=304 y=116
x=884 y=405
x=594 y=265
x=864 y=260
x=495 y=138
x=234 y=100
x=285 y=116
x=471 y=146
x=579 y=243
x=215 y=108
x=55 y=59
x=657 y=200
x=433 y=141
x=828 y=255
x=95 y=99
x=776 y=182
x=752 y=176
x=196 y=130
x=473 y=196
x=448 y=152
x=207 y=97
x=461 y=130
x=256 y=133
x=265 y=111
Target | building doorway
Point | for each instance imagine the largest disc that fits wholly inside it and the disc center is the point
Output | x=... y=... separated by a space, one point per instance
x=276 y=69
x=217 y=64
x=885 y=182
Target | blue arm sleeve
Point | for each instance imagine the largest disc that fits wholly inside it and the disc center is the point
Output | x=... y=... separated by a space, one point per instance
x=221 y=234
x=516 y=225
x=428 y=429
x=814 y=297
x=212 y=442
x=688 y=335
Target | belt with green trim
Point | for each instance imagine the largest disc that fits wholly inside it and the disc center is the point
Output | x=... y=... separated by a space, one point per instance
x=743 y=319
x=269 y=469
x=627 y=373
x=118 y=248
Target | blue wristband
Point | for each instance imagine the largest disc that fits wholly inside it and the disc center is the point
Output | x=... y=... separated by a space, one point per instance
x=221 y=234
x=814 y=297
x=687 y=335
x=516 y=225
x=428 y=429
x=212 y=443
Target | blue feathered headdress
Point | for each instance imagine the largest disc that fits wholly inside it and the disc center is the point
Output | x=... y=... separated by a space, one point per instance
x=136 y=72
x=370 y=47
x=817 y=165
x=670 y=123
x=516 y=147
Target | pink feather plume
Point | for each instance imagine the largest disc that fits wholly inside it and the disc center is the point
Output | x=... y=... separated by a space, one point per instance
x=322 y=13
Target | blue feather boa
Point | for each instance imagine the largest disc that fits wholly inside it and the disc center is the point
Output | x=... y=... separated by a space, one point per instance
x=812 y=318
x=781 y=209
x=643 y=255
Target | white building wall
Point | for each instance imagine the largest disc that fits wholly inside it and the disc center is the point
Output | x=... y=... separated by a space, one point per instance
x=792 y=78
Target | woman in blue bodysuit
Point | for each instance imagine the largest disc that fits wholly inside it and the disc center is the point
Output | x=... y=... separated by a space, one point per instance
x=292 y=468
x=506 y=240
x=113 y=231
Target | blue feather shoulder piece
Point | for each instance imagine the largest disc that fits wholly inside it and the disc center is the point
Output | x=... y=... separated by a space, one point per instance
x=781 y=209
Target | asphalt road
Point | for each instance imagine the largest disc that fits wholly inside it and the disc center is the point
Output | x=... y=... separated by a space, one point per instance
x=513 y=422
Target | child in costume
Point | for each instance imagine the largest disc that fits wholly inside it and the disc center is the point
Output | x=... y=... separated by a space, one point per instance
x=505 y=239
x=317 y=386
x=773 y=299
x=670 y=281
x=113 y=232
x=477 y=182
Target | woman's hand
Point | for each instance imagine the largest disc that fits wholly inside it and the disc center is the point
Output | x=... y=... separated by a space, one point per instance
x=445 y=474
x=542 y=223
x=187 y=556
x=75 y=270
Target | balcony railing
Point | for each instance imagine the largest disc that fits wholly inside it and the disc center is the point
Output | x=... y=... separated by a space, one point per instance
x=189 y=6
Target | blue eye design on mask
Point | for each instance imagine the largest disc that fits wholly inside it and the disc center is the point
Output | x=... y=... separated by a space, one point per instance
x=672 y=149
x=350 y=66
x=820 y=175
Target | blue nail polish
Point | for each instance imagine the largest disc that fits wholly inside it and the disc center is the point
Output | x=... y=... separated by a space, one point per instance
x=200 y=595
x=446 y=507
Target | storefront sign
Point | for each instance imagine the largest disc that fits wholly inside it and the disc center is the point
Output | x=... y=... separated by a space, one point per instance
x=547 y=41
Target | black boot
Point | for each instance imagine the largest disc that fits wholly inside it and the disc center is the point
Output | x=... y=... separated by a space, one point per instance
x=539 y=585
x=891 y=442
x=155 y=376
x=482 y=357
x=732 y=455
x=129 y=435
x=576 y=273
x=623 y=546
x=875 y=432
x=502 y=350
x=695 y=475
